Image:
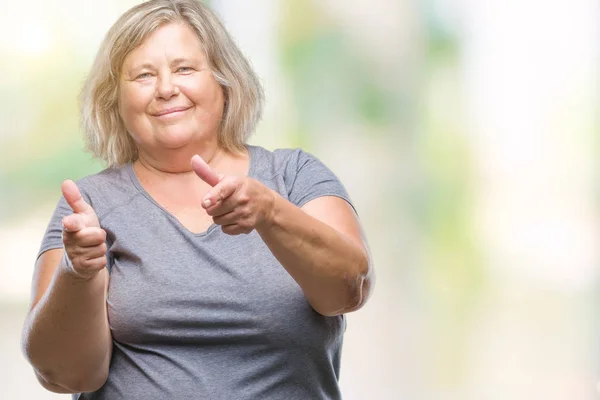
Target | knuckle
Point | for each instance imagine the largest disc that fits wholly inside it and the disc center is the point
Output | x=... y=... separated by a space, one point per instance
x=244 y=213
x=220 y=194
x=69 y=235
x=92 y=236
x=72 y=251
x=98 y=237
x=76 y=262
x=90 y=232
x=101 y=262
x=229 y=219
x=86 y=263
x=244 y=198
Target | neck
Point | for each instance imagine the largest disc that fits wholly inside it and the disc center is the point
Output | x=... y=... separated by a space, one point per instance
x=176 y=161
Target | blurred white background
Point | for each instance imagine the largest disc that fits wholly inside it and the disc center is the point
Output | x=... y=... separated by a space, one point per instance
x=465 y=131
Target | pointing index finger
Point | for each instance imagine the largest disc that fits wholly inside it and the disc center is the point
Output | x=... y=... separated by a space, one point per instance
x=204 y=171
x=222 y=191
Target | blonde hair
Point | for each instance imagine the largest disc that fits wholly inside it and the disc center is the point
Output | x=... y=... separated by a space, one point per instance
x=104 y=130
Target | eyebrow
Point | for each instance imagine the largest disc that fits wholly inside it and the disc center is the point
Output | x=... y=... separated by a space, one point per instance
x=147 y=65
x=179 y=61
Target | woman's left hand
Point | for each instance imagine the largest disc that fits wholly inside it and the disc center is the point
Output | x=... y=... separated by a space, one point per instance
x=238 y=204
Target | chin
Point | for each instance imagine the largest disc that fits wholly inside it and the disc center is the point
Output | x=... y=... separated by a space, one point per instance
x=174 y=138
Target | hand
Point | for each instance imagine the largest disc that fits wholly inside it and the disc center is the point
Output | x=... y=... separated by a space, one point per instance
x=238 y=204
x=83 y=239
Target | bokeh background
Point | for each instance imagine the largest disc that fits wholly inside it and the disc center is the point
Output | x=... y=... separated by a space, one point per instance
x=466 y=132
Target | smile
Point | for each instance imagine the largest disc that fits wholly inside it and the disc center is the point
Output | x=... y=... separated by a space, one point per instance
x=171 y=112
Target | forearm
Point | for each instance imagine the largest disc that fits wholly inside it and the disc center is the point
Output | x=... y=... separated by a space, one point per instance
x=332 y=270
x=66 y=337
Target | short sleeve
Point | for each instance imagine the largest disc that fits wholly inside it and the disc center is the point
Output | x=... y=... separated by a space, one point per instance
x=313 y=179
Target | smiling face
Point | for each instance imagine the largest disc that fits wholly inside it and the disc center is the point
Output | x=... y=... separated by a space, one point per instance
x=168 y=96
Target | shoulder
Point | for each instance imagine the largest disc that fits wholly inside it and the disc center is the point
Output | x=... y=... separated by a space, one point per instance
x=108 y=189
x=285 y=161
x=302 y=175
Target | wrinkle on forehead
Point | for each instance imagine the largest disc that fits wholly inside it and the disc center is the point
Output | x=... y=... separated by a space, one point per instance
x=169 y=44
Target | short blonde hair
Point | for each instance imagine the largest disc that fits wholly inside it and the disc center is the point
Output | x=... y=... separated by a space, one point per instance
x=104 y=130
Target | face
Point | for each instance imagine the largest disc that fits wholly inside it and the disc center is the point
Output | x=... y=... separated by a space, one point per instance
x=168 y=96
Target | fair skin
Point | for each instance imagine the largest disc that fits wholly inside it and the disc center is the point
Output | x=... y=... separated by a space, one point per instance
x=172 y=106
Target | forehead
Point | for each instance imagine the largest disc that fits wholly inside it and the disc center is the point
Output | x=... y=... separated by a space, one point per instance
x=168 y=42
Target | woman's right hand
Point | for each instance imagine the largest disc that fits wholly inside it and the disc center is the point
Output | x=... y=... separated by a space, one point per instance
x=83 y=238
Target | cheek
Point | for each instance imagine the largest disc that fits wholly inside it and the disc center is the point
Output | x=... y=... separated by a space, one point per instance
x=132 y=111
x=135 y=100
x=132 y=104
x=206 y=93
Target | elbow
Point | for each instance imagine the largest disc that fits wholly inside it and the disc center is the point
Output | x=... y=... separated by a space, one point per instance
x=89 y=383
x=76 y=380
x=73 y=384
x=64 y=376
x=358 y=287
x=354 y=300
x=359 y=293
x=82 y=379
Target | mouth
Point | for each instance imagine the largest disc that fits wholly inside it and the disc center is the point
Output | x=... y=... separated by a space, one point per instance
x=171 y=111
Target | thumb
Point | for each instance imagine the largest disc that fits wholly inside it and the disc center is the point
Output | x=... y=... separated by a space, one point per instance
x=73 y=197
x=204 y=171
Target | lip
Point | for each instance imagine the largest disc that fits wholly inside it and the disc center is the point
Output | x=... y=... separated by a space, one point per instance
x=169 y=111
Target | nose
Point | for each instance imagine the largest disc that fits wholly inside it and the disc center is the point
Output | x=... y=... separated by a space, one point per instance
x=165 y=87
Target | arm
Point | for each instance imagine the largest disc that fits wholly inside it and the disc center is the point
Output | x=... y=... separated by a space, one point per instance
x=320 y=245
x=66 y=336
x=322 y=248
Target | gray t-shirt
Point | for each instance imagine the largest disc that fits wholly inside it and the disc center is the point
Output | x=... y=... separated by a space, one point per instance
x=208 y=316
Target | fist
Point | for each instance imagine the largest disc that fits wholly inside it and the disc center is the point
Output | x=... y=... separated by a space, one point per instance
x=83 y=239
x=238 y=204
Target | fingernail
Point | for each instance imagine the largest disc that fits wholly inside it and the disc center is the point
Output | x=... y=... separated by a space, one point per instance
x=206 y=202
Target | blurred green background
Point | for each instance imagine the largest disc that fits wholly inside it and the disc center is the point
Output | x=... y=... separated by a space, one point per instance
x=465 y=131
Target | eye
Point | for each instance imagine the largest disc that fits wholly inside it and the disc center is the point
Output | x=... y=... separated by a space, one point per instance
x=145 y=75
x=184 y=69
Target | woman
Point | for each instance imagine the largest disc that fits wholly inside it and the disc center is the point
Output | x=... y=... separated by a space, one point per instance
x=194 y=266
